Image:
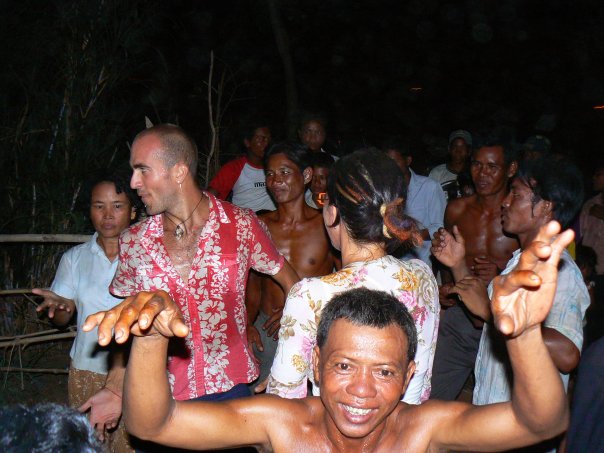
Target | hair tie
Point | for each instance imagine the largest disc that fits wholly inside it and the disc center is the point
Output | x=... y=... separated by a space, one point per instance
x=384 y=227
x=383 y=209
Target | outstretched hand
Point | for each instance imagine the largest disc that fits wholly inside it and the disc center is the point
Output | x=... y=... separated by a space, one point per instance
x=523 y=298
x=449 y=249
x=105 y=408
x=53 y=303
x=147 y=313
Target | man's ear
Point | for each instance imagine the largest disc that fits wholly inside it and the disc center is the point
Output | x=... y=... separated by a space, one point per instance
x=409 y=160
x=512 y=169
x=330 y=212
x=316 y=360
x=180 y=172
x=246 y=143
x=307 y=173
x=408 y=375
x=132 y=213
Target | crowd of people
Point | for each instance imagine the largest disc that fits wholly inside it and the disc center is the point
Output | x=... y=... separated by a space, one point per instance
x=379 y=291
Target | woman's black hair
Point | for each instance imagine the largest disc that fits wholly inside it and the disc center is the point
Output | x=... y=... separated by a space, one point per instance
x=369 y=191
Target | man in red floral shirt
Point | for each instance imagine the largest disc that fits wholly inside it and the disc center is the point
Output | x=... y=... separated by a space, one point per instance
x=199 y=250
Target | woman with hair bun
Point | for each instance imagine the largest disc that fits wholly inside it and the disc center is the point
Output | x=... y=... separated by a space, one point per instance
x=364 y=218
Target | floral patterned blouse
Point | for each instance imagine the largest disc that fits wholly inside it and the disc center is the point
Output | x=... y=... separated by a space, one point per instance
x=411 y=282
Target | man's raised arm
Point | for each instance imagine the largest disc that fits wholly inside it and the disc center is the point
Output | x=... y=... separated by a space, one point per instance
x=149 y=410
x=538 y=410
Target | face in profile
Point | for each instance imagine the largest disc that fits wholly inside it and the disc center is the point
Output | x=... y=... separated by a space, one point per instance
x=110 y=212
x=363 y=373
x=520 y=213
x=284 y=179
x=312 y=134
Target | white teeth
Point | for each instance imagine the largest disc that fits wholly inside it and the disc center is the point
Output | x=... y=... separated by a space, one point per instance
x=356 y=410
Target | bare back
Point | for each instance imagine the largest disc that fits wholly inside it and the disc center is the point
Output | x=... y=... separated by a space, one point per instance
x=306 y=246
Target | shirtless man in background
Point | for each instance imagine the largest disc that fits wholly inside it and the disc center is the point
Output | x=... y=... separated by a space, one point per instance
x=488 y=249
x=298 y=233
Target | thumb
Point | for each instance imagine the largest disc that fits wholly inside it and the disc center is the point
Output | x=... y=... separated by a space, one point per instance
x=457 y=234
x=87 y=405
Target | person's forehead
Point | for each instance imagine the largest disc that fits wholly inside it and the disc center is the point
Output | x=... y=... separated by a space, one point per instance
x=146 y=146
x=262 y=132
x=458 y=142
x=281 y=160
x=520 y=185
x=106 y=189
x=313 y=125
x=367 y=343
x=490 y=154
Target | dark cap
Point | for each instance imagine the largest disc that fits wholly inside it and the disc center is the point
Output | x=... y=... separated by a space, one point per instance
x=537 y=143
x=460 y=133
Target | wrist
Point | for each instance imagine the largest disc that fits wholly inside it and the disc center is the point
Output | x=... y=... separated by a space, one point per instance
x=119 y=395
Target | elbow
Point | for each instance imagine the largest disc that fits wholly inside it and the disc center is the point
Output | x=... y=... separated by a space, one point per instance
x=568 y=361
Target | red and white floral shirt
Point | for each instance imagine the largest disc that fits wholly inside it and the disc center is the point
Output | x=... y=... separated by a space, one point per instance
x=214 y=357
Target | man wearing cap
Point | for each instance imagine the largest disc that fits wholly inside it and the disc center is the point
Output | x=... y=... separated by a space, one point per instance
x=460 y=145
x=535 y=147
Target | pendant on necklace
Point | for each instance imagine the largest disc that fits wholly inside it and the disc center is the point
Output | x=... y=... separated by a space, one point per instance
x=179 y=232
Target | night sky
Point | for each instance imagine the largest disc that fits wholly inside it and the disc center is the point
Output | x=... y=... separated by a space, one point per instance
x=417 y=69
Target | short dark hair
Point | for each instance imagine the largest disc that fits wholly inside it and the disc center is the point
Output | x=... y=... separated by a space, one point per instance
x=557 y=181
x=371 y=308
x=46 y=427
x=369 y=193
x=397 y=144
x=294 y=151
x=322 y=160
x=313 y=116
x=120 y=181
x=250 y=131
x=178 y=146
x=491 y=139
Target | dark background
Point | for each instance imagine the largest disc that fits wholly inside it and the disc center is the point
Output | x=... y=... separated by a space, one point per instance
x=78 y=78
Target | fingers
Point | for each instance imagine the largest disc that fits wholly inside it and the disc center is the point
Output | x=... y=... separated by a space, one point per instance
x=515 y=280
x=87 y=405
x=457 y=235
x=261 y=387
x=179 y=327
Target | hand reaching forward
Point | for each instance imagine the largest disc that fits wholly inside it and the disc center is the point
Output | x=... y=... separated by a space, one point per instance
x=449 y=249
x=523 y=298
x=54 y=303
x=147 y=313
x=105 y=411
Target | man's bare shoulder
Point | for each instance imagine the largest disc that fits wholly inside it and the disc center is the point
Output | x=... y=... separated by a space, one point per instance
x=287 y=421
x=458 y=207
x=418 y=425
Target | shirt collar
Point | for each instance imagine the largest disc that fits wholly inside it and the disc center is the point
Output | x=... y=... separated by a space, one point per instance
x=155 y=226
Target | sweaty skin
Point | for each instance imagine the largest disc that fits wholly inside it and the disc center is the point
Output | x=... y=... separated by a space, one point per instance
x=297 y=231
x=478 y=217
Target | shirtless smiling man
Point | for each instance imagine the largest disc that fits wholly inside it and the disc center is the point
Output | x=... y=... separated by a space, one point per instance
x=488 y=249
x=363 y=361
x=298 y=233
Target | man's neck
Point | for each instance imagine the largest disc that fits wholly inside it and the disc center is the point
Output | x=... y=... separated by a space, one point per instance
x=291 y=211
x=342 y=443
x=109 y=245
x=192 y=208
x=456 y=167
x=491 y=202
x=254 y=160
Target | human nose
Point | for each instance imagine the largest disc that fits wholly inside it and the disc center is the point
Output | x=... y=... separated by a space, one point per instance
x=507 y=200
x=362 y=384
x=134 y=180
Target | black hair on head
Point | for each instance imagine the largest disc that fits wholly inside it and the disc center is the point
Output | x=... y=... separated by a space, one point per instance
x=294 y=151
x=46 y=428
x=369 y=193
x=371 y=308
x=557 y=181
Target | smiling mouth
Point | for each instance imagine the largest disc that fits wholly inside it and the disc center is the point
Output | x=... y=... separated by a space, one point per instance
x=356 y=410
